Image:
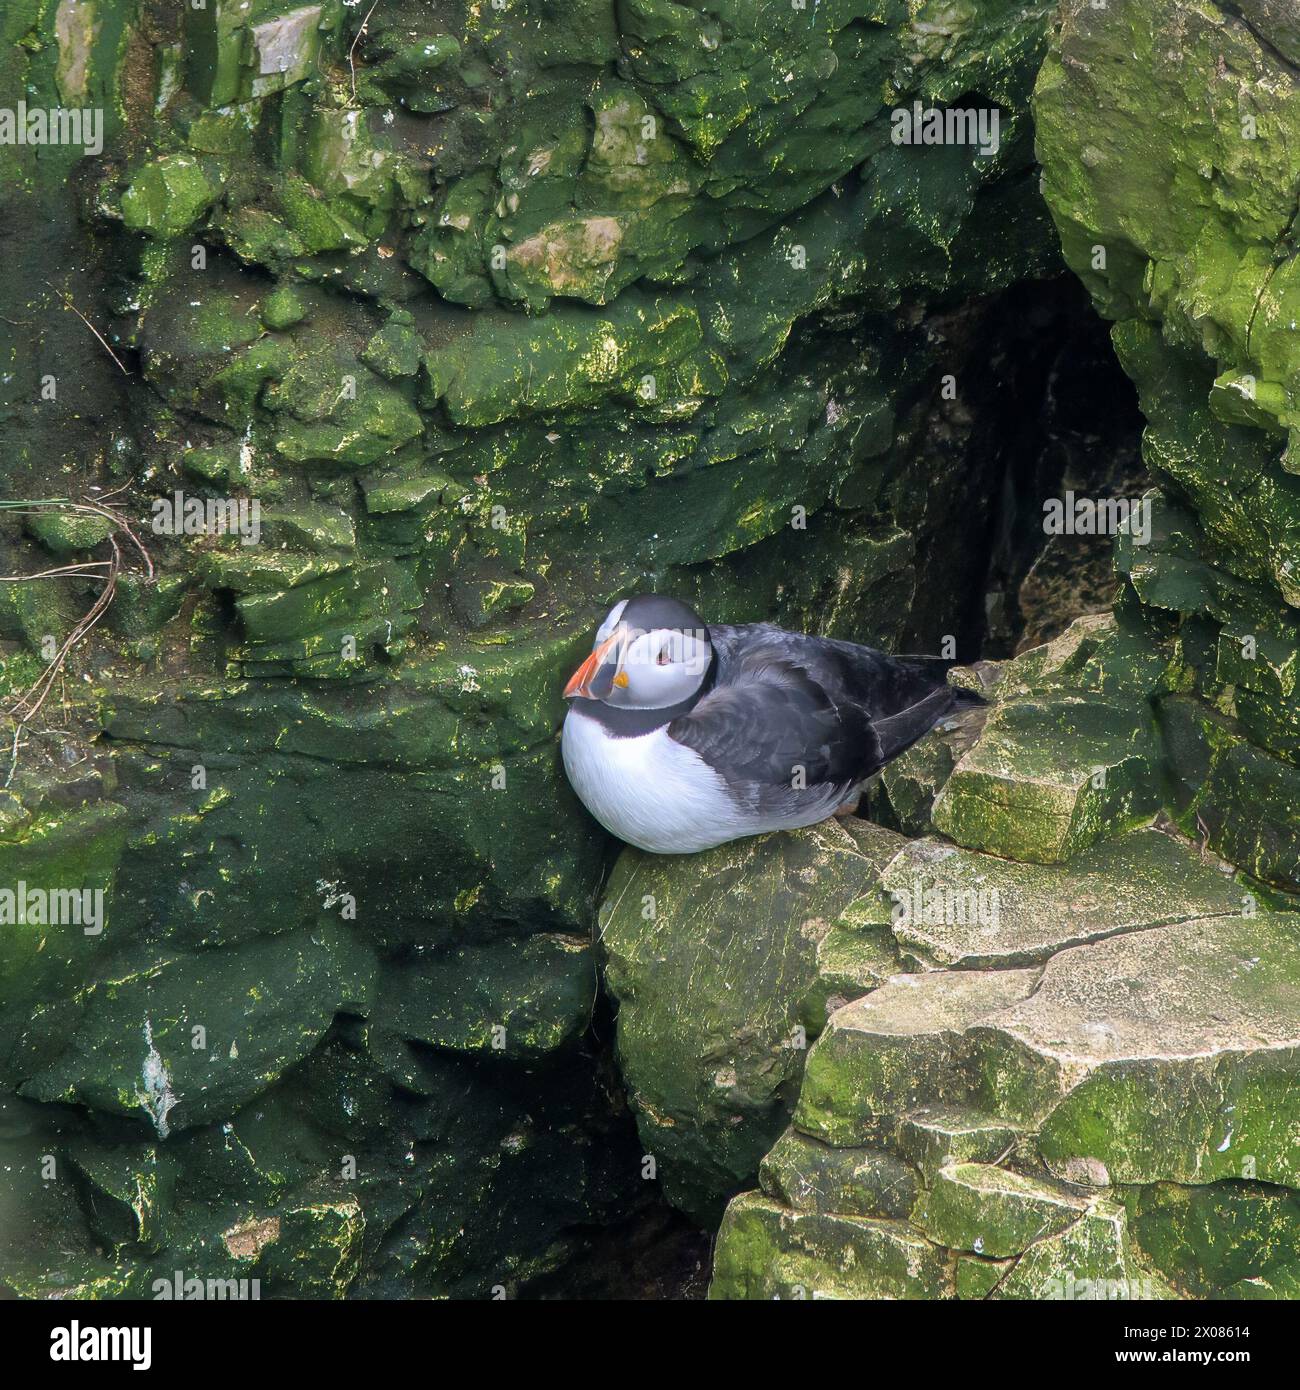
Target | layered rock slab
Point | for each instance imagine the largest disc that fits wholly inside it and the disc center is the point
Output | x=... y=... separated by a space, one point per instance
x=958 y=909
x=1049 y=776
x=1160 y=1055
x=768 y=1251
x=1044 y=1111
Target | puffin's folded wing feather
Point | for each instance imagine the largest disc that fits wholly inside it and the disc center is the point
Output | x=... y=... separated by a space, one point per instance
x=771 y=721
x=900 y=731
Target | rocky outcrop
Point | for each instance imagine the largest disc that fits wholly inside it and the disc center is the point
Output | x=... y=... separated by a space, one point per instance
x=1080 y=1083
x=722 y=966
x=1039 y=1113
x=1062 y=1048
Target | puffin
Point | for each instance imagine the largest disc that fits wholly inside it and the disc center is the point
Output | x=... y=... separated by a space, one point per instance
x=681 y=736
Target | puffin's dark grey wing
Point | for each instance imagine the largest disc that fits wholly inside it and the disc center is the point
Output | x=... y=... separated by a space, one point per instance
x=848 y=671
x=838 y=710
x=774 y=721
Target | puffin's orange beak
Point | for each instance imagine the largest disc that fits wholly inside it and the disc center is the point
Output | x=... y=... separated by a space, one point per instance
x=580 y=681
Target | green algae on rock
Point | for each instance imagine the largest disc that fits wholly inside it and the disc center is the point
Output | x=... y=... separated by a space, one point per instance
x=766 y=1250
x=709 y=957
x=1048 y=777
x=1080 y=1044
x=806 y=1175
x=1201 y=292
x=993 y=1211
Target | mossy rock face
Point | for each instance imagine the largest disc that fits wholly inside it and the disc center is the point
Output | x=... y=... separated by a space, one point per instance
x=990 y=1211
x=1049 y=777
x=893 y=1051
x=1215 y=1239
x=169 y=196
x=709 y=957
x=1087 y=1079
x=806 y=1175
x=65 y=532
x=1092 y=1259
x=520 y=999
x=1201 y=292
x=768 y=1251
x=1094 y=1089
x=1133 y=1081
x=283 y=308
x=934 y=1136
x=188 y=1039
x=1066 y=754
x=69 y=856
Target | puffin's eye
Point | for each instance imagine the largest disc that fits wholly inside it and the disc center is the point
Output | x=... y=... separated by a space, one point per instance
x=664 y=655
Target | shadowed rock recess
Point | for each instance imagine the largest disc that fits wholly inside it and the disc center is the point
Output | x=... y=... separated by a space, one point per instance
x=497 y=313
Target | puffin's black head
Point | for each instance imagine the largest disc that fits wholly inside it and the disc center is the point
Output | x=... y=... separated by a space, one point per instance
x=650 y=653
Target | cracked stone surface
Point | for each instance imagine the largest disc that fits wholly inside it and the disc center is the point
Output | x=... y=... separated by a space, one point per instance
x=1012 y=914
x=993 y=1211
x=807 y=1175
x=1156 y=1055
x=1044 y=1110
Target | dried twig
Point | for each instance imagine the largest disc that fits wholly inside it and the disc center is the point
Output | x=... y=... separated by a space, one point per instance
x=58 y=572
x=13 y=752
x=67 y=299
x=27 y=705
x=113 y=491
x=352 y=67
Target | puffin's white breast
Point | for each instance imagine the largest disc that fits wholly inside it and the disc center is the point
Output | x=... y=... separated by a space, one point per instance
x=650 y=790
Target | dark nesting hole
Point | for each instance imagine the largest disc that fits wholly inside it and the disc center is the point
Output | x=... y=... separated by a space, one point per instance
x=1052 y=412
